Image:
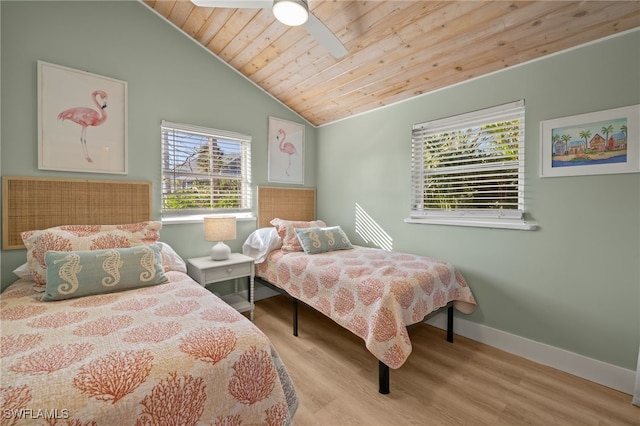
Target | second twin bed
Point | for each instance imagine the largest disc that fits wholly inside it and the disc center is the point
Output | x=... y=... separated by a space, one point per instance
x=374 y=293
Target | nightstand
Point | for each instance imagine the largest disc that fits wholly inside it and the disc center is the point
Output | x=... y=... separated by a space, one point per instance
x=208 y=271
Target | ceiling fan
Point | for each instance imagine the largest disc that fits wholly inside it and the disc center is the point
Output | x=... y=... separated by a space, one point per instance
x=289 y=12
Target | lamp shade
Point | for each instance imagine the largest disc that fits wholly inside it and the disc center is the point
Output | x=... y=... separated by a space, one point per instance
x=291 y=12
x=219 y=228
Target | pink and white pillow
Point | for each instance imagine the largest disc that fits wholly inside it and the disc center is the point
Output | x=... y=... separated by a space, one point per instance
x=287 y=232
x=83 y=237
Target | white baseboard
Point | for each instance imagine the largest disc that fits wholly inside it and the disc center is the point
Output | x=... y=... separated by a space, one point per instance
x=596 y=371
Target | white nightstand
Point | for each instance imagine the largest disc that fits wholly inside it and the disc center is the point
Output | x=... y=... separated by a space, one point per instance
x=208 y=271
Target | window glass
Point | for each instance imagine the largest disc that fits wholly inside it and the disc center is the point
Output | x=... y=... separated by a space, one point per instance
x=204 y=170
x=470 y=166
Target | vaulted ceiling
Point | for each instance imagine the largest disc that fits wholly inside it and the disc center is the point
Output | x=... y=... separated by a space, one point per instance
x=396 y=49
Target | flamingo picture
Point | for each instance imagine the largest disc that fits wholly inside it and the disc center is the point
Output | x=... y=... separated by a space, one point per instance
x=86 y=117
x=285 y=147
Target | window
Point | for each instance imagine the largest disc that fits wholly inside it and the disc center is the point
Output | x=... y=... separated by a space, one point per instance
x=469 y=169
x=204 y=171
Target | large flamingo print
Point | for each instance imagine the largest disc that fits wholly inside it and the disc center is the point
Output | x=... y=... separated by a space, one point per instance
x=86 y=117
x=285 y=147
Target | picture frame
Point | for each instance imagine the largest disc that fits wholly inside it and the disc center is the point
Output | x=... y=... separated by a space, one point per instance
x=286 y=151
x=602 y=142
x=82 y=121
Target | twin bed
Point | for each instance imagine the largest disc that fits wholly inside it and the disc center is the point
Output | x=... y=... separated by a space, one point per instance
x=376 y=294
x=105 y=327
x=105 y=324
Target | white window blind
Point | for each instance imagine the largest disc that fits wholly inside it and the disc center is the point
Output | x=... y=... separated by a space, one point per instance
x=204 y=170
x=470 y=166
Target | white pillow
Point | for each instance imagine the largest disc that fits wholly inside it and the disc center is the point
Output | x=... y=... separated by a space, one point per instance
x=170 y=259
x=23 y=272
x=261 y=242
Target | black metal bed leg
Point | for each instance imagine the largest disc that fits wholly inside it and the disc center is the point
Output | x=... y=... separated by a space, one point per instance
x=383 y=378
x=450 y=324
x=295 y=317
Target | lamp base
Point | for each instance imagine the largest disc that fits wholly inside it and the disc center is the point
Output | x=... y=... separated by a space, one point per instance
x=220 y=251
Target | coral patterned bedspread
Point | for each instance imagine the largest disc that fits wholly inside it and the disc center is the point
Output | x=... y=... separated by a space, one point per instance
x=371 y=292
x=169 y=354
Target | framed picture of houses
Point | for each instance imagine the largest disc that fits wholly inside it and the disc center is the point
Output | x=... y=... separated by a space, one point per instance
x=603 y=142
x=82 y=121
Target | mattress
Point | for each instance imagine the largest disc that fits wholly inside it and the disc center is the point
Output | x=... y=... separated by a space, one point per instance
x=373 y=293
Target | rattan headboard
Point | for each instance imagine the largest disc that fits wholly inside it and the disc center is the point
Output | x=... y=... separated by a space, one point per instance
x=285 y=203
x=30 y=203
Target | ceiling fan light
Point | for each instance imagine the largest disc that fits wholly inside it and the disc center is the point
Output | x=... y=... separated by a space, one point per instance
x=291 y=12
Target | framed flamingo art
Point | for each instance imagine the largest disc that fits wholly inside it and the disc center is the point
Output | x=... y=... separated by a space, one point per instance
x=82 y=121
x=286 y=151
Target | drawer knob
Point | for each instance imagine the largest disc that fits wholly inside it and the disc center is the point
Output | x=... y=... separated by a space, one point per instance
x=230 y=270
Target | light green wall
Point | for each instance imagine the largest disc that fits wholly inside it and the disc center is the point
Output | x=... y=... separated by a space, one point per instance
x=169 y=77
x=574 y=283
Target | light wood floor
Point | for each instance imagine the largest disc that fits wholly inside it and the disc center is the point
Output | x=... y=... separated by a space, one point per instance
x=464 y=383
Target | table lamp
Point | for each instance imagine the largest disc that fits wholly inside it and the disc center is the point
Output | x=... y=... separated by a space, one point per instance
x=220 y=228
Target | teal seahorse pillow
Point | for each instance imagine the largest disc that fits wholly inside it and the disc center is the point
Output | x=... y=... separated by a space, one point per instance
x=320 y=240
x=72 y=274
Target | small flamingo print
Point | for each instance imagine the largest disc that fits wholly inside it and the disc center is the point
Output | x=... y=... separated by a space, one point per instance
x=286 y=148
x=286 y=151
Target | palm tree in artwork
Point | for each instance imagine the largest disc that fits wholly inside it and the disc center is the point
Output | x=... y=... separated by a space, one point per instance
x=585 y=134
x=607 y=130
x=566 y=138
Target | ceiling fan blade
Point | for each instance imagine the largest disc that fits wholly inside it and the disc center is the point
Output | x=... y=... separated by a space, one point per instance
x=235 y=4
x=325 y=36
x=314 y=26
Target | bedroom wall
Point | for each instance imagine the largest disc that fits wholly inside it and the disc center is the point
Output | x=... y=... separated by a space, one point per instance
x=169 y=77
x=574 y=283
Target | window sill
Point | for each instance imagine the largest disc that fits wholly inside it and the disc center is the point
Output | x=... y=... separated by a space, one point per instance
x=483 y=223
x=198 y=218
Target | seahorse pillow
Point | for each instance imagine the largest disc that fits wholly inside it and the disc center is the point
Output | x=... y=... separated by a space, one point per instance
x=72 y=274
x=83 y=237
x=320 y=240
x=287 y=232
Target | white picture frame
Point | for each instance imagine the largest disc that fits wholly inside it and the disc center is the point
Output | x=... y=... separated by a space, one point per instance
x=82 y=121
x=286 y=151
x=602 y=142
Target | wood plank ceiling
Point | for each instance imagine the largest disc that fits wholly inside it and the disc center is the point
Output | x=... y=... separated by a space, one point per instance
x=396 y=49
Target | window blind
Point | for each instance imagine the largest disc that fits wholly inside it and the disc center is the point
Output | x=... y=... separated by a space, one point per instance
x=204 y=170
x=470 y=165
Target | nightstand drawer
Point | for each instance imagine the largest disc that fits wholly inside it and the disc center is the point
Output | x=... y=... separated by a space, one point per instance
x=227 y=272
x=208 y=272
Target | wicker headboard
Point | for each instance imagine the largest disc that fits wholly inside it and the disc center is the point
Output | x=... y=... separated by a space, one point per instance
x=285 y=203
x=30 y=203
